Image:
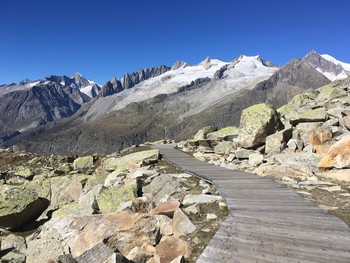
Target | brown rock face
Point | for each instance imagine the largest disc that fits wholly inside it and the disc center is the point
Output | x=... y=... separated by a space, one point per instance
x=170 y=248
x=338 y=155
x=167 y=208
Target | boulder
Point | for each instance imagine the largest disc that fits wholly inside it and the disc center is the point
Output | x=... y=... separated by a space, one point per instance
x=328 y=92
x=255 y=159
x=182 y=225
x=120 y=231
x=257 y=122
x=16 y=245
x=83 y=162
x=170 y=248
x=115 y=178
x=243 y=153
x=314 y=115
x=168 y=208
x=202 y=133
x=132 y=160
x=165 y=224
x=277 y=142
x=346 y=121
x=291 y=109
x=110 y=198
x=20 y=206
x=86 y=204
x=64 y=189
x=226 y=133
x=142 y=204
x=320 y=135
x=295 y=171
x=137 y=254
x=224 y=147
x=201 y=199
x=25 y=172
x=338 y=155
x=162 y=187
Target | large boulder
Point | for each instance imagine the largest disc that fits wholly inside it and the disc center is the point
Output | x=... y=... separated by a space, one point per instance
x=338 y=155
x=132 y=160
x=224 y=147
x=257 y=122
x=20 y=206
x=292 y=108
x=314 y=115
x=110 y=198
x=83 y=236
x=328 y=92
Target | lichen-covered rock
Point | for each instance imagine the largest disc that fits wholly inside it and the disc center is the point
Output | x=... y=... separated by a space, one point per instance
x=64 y=189
x=314 y=115
x=328 y=93
x=277 y=142
x=132 y=160
x=224 y=133
x=83 y=162
x=257 y=122
x=295 y=104
x=20 y=206
x=338 y=155
x=202 y=133
x=224 y=147
x=110 y=198
x=25 y=172
x=17 y=247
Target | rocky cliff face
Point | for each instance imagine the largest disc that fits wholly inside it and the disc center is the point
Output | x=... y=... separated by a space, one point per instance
x=130 y=80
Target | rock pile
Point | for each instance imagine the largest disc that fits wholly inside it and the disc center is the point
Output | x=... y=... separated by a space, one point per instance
x=299 y=144
x=128 y=207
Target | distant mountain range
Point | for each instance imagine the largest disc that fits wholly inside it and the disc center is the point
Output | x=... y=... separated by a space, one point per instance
x=73 y=115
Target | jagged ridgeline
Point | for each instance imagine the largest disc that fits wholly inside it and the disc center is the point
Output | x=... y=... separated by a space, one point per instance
x=76 y=116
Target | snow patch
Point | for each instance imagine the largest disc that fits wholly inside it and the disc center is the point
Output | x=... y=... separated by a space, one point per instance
x=346 y=66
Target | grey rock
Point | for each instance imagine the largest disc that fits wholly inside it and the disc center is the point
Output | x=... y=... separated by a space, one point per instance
x=255 y=159
x=162 y=187
x=276 y=141
x=224 y=147
x=243 y=153
x=182 y=225
x=17 y=247
x=201 y=199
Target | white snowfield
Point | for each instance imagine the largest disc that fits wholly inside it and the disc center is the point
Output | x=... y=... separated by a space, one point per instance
x=243 y=72
x=330 y=75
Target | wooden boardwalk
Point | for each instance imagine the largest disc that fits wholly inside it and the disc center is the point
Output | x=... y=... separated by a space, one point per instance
x=267 y=221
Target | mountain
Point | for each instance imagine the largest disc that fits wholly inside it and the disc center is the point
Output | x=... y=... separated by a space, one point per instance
x=327 y=65
x=171 y=102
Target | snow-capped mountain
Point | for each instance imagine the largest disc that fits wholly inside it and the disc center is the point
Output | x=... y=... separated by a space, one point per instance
x=227 y=78
x=329 y=66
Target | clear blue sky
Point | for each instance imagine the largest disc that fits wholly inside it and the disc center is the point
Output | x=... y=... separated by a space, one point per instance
x=106 y=38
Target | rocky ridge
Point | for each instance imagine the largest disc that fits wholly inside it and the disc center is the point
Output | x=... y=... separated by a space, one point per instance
x=125 y=207
x=303 y=144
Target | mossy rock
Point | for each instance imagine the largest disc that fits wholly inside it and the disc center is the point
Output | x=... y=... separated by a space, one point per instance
x=25 y=172
x=202 y=133
x=110 y=198
x=315 y=115
x=223 y=133
x=257 y=122
x=328 y=92
x=83 y=162
x=132 y=160
x=296 y=103
x=19 y=206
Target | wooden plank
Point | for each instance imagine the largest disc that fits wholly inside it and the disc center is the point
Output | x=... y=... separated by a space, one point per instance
x=267 y=221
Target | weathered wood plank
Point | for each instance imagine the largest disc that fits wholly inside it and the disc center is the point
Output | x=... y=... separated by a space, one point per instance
x=267 y=221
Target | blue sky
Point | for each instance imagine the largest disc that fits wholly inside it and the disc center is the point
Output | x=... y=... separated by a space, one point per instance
x=107 y=38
